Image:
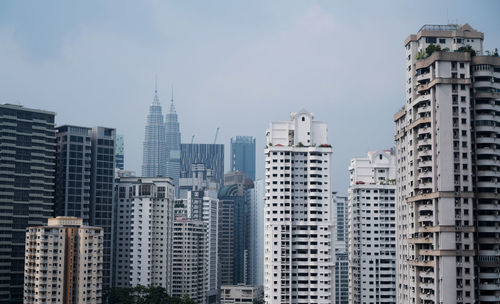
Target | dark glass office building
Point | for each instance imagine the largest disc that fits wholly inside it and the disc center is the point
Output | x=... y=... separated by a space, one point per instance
x=27 y=172
x=84 y=179
x=243 y=155
x=211 y=155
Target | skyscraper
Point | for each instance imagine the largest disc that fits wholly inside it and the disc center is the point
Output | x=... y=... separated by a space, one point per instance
x=120 y=152
x=372 y=229
x=102 y=172
x=211 y=155
x=299 y=255
x=63 y=262
x=143 y=232
x=232 y=238
x=85 y=164
x=173 y=143
x=341 y=257
x=190 y=260
x=154 y=157
x=255 y=218
x=27 y=167
x=243 y=155
x=446 y=169
x=73 y=169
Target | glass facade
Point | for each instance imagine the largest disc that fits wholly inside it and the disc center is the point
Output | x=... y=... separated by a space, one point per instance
x=243 y=155
x=27 y=166
x=211 y=155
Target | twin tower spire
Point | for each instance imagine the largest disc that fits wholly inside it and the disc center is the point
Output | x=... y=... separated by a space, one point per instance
x=162 y=140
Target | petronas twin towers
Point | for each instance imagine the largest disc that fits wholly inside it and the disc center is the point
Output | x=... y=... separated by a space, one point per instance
x=162 y=142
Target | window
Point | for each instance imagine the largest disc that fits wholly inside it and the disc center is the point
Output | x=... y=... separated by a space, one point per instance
x=441 y=40
x=430 y=39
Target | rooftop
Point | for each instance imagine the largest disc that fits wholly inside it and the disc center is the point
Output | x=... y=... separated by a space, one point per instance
x=439 y=27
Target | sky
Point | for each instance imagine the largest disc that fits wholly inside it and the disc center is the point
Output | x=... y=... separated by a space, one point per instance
x=236 y=65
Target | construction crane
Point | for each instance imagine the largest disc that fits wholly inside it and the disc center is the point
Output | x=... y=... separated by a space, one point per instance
x=192 y=139
x=216 y=133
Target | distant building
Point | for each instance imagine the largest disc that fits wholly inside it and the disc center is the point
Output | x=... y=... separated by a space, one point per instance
x=173 y=143
x=64 y=262
x=340 y=212
x=154 y=161
x=199 y=203
x=342 y=278
x=232 y=233
x=211 y=155
x=27 y=167
x=120 y=152
x=341 y=236
x=143 y=232
x=235 y=294
x=243 y=155
x=372 y=229
x=255 y=229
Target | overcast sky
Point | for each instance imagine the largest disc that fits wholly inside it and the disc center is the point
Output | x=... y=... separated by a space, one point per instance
x=236 y=65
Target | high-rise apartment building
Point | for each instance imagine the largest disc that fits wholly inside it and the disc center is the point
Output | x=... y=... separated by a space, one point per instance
x=120 y=152
x=299 y=255
x=243 y=155
x=190 y=260
x=143 y=232
x=446 y=170
x=199 y=203
x=27 y=170
x=372 y=229
x=63 y=262
x=173 y=144
x=154 y=156
x=255 y=232
x=211 y=155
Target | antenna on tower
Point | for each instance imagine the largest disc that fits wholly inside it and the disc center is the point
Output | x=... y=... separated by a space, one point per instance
x=172 y=98
x=156 y=83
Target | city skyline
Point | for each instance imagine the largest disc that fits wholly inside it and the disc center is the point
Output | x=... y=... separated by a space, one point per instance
x=79 y=51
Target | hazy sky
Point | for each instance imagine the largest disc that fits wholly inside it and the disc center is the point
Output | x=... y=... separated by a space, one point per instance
x=236 y=65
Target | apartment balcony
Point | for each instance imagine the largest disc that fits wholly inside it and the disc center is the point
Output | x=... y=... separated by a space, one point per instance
x=483 y=83
x=422 y=98
x=492 y=298
x=482 y=128
x=486 y=106
x=489 y=286
x=425 y=174
x=427 y=296
x=423 y=110
x=423 y=153
x=420 y=240
x=424 y=131
x=487 y=184
x=425 y=77
x=486 y=140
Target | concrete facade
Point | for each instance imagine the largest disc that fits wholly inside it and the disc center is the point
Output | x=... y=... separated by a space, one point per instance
x=372 y=228
x=64 y=263
x=298 y=230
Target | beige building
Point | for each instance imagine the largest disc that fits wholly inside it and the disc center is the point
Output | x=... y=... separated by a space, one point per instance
x=232 y=294
x=447 y=170
x=63 y=263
